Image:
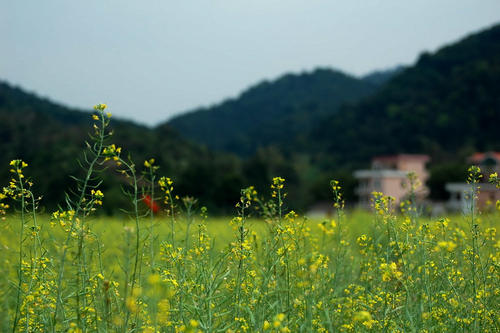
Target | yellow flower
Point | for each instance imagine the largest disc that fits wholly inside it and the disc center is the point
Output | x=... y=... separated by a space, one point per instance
x=149 y=163
x=131 y=304
x=362 y=316
x=98 y=194
x=445 y=245
x=365 y=318
x=100 y=107
x=390 y=271
x=453 y=302
x=154 y=279
x=278 y=319
x=74 y=328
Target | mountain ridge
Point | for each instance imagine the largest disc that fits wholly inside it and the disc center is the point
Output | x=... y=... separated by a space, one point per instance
x=454 y=90
x=50 y=137
x=446 y=105
x=255 y=118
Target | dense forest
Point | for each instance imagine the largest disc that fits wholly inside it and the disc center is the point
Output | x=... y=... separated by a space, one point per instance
x=273 y=113
x=448 y=102
x=51 y=138
x=446 y=105
x=307 y=127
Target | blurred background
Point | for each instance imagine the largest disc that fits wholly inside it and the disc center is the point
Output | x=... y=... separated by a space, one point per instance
x=227 y=94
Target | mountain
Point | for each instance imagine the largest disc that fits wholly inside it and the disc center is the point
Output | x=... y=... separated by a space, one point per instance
x=447 y=103
x=51 y=137
x=380 y=77
x=308 y=127
x=279 y=112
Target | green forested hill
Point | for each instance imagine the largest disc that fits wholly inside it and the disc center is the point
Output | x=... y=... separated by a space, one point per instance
x=308 y=128
x=446 y=105
x=280 y=112
x=382 y=76
x=51 y=137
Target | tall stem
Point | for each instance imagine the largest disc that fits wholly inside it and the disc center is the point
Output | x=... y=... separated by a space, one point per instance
x=90 y=171
x=21 y=240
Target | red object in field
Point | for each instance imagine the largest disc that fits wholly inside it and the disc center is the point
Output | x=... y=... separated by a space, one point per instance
x=151 y=203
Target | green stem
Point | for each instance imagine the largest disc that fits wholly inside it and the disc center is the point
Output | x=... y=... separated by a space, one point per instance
x=20 y=271
x=90 y=171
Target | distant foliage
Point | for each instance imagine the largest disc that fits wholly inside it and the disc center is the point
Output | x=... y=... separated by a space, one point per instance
x=279 y=113
x=309 y=127
x=49 y=136
x=446 y=105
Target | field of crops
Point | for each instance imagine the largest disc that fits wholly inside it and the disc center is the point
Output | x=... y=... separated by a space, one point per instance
x=265 y=269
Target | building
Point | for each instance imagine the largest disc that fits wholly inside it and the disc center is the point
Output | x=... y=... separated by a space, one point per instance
x=389 y=175
x=461 y=193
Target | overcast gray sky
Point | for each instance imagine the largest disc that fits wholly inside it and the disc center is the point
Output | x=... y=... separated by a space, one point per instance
x=152 y=59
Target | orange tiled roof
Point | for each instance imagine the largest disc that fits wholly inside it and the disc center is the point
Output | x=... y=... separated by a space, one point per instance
x=478 y=157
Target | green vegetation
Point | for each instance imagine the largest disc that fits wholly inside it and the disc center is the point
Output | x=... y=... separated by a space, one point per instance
x=276 y=113
x=50 y=136
x=308 y=128
x=272 y=270
x=47 y=135
x=446 y=105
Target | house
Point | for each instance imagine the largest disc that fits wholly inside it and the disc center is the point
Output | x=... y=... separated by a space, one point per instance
x=389 y=175
x=461 y=193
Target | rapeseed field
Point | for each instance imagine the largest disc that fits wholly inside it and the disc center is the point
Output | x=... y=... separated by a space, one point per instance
x=267 y=269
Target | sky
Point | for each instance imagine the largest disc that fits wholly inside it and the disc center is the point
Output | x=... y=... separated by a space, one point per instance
x=150 y=60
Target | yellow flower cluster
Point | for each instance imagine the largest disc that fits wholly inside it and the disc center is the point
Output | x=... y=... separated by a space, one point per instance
x=166 y=184
x=97 y=197
x=3 y=206
x=276 y=186
x=445 y=245
x=474 y=175
x=149 y=164
x=100 y=109
x=390 y=272
x=327 y=227
x=338 y=201
x=112 y=152
x=18 y=186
